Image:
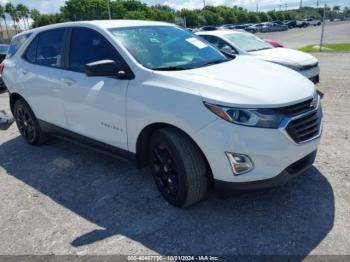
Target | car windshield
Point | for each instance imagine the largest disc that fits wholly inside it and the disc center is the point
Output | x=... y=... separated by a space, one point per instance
x=248 y=42
x=167 y=47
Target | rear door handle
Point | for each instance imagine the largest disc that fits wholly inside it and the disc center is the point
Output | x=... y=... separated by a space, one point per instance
x=68 y=81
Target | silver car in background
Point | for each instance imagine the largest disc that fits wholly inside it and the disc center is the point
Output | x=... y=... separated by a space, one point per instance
x=243 y=43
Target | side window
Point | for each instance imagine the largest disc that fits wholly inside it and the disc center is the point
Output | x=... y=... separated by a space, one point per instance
x=209 y=38
x=88 y=46
x=16 y=43
x=30 y=54
x=219 y=43
x=49 y=50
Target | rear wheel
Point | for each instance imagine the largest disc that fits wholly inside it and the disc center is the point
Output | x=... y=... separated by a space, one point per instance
x=27 y=123
x=178 y=167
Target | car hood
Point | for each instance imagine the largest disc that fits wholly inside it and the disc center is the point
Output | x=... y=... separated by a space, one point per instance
x=286 y=55
x=243 y=82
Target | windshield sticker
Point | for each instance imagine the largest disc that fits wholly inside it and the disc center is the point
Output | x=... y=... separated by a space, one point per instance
x=196 y=42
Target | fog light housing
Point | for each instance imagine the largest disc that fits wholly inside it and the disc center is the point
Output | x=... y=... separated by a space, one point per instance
x=240 y=163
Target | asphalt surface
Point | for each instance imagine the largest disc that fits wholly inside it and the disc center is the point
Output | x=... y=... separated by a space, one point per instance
x=64 y=199
x=335 y=32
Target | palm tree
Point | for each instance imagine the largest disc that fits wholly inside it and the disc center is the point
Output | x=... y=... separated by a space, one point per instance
x=7 y=28
x=23 y=11
x=1 y=14
x=2 y=32
x=11 y=10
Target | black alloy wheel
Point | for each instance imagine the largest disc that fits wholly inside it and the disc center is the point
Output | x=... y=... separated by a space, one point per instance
x=27 y=123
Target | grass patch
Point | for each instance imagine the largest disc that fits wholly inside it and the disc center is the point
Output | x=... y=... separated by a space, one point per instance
x=345 y=47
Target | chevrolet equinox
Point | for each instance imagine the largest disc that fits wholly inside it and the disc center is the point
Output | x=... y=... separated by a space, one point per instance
x=167 y=99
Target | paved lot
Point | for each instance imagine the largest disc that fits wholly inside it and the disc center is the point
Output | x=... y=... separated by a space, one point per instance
x=335 y=32
x=64 y=199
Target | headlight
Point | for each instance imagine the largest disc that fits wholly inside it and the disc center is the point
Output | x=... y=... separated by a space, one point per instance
x=265 y=118
x=314 y=102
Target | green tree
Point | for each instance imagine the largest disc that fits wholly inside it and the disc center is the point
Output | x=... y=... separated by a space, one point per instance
x=118 y=10
x=336 y=8
x=137 y=15
x=34 y=14
x=279 y=16
x=23 y=11
x=272 y=14
x=76 y=10
x=43 y=20
x=11 y=10
x=190 y=16
x=242 y=17
x=263 y=17
x=253 y=17
x=2 y=15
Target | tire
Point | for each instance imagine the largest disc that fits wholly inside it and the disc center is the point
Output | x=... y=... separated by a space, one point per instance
x=178 y=167
x=27 y=123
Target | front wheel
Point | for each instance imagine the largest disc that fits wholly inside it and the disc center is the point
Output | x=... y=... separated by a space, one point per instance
x=178 y=167
x=27 y=123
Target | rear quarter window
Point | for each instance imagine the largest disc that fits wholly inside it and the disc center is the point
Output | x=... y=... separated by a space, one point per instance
x=16 y=43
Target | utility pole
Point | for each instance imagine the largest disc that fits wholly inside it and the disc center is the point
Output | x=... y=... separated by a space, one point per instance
x=280 y=7
x=301 y=4
x=323 y=25
x=204 y=3
x=109 y=10
x=317 y=4
x=286 y=6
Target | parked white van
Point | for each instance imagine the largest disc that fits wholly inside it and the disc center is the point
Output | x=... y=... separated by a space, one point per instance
x=166 y=98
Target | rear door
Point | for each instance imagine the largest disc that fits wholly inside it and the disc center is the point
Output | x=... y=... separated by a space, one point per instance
x=39 y=73
x=95 y=106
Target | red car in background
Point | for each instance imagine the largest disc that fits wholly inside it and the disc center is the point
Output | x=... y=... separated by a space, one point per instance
x=273 y=42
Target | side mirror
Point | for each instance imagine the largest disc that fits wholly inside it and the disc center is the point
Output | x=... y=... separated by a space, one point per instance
x=228 y=51
x=107 y=68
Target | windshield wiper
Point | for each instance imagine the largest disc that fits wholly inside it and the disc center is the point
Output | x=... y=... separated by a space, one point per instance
x=215 y=62
x=171 y=68
x=264 y=48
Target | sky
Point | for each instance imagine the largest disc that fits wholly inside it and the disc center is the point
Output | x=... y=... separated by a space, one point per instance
x=52 y=6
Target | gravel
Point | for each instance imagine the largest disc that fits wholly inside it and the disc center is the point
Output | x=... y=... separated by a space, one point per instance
x=65 y=199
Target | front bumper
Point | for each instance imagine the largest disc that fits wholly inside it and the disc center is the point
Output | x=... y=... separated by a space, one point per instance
x=312 y=73
x=271 y=150
x=299 y=167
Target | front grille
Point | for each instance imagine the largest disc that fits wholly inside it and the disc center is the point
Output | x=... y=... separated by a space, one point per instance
x=297 y=109
x=307 y=67
x=306 y=127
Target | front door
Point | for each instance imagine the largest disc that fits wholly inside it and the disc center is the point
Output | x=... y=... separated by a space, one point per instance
x=94 y=106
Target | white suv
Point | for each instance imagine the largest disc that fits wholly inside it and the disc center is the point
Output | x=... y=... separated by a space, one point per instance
x=168 y=99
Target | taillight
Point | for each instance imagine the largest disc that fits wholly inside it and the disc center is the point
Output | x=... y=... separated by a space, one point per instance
x=1 y=68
